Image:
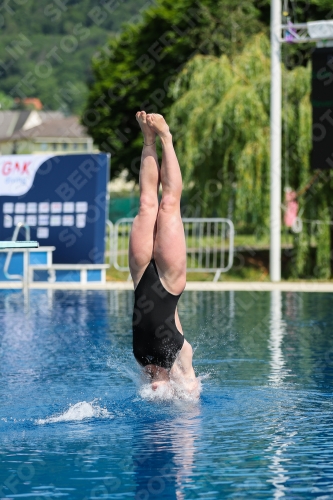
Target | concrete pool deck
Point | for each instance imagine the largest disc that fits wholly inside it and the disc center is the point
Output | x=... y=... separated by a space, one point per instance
x=246 y=286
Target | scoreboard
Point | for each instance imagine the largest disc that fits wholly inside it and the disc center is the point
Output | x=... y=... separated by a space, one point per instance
x=63 y=198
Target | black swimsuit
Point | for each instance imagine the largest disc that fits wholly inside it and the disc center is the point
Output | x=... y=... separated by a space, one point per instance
x=156 y=339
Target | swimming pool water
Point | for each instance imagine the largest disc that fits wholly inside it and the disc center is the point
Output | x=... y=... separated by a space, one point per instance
x=74 y=424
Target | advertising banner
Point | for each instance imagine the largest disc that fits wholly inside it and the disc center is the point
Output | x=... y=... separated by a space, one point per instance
x=63 y=199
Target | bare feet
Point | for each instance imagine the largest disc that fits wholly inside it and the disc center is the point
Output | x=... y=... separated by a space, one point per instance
x=149 y=135
x=158 y=124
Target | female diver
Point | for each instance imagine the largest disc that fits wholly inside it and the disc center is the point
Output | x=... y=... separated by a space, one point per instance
x=157 y=257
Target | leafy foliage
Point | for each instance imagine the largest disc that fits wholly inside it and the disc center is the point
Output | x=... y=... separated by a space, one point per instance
x=143 y=62
x=46 y=47
x=145 y=59
x=5 y=101
x=221 y=114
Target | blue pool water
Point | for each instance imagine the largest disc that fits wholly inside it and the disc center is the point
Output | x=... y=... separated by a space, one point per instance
x=76 y=423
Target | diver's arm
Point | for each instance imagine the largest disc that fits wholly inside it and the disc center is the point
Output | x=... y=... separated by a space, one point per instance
x=182 y=370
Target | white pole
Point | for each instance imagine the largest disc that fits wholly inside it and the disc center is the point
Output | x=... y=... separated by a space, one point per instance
x=276 y=103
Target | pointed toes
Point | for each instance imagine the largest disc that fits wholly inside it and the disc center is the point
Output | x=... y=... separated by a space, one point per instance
x=141 y=116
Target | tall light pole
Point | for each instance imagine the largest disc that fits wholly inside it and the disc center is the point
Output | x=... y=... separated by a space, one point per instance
x=276 y=133
x=316 y=32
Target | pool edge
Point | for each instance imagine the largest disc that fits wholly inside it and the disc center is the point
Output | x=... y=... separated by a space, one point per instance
x=245 y=286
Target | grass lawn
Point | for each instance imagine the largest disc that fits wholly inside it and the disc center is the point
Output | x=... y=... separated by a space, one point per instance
x=245 y=274
x=250 y=263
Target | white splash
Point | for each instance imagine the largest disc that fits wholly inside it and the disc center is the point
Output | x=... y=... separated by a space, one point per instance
x=170 y=391
x=78 y=412
x=162 y=393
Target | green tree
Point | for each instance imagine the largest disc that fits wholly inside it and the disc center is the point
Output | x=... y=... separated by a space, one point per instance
x=221 y=115
x=6 y=102
x=143 y=62
x=140 y=65
x=46 y=47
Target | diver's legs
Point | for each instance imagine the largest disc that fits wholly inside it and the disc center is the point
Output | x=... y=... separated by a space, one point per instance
x=142 y=234
x=169 y=247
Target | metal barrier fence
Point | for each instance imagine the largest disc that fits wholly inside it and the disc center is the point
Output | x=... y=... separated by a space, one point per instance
x=209 y=244
x=109 y=243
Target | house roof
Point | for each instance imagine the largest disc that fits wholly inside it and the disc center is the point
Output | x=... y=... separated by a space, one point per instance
x=50 y=115
x=64 y=127
x=10 y=121
x=22 y=119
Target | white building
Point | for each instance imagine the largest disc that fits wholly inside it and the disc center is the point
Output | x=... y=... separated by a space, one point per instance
x=33 y=132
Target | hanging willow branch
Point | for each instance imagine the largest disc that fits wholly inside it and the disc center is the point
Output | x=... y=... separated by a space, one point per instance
x=221 y=118
x=221 y=122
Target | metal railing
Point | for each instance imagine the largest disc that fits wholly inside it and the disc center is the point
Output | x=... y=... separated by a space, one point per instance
x=209 y=243
x=109 y=242
x=25 y=276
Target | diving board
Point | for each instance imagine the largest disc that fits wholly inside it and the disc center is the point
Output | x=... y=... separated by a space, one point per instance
x=18 y=244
